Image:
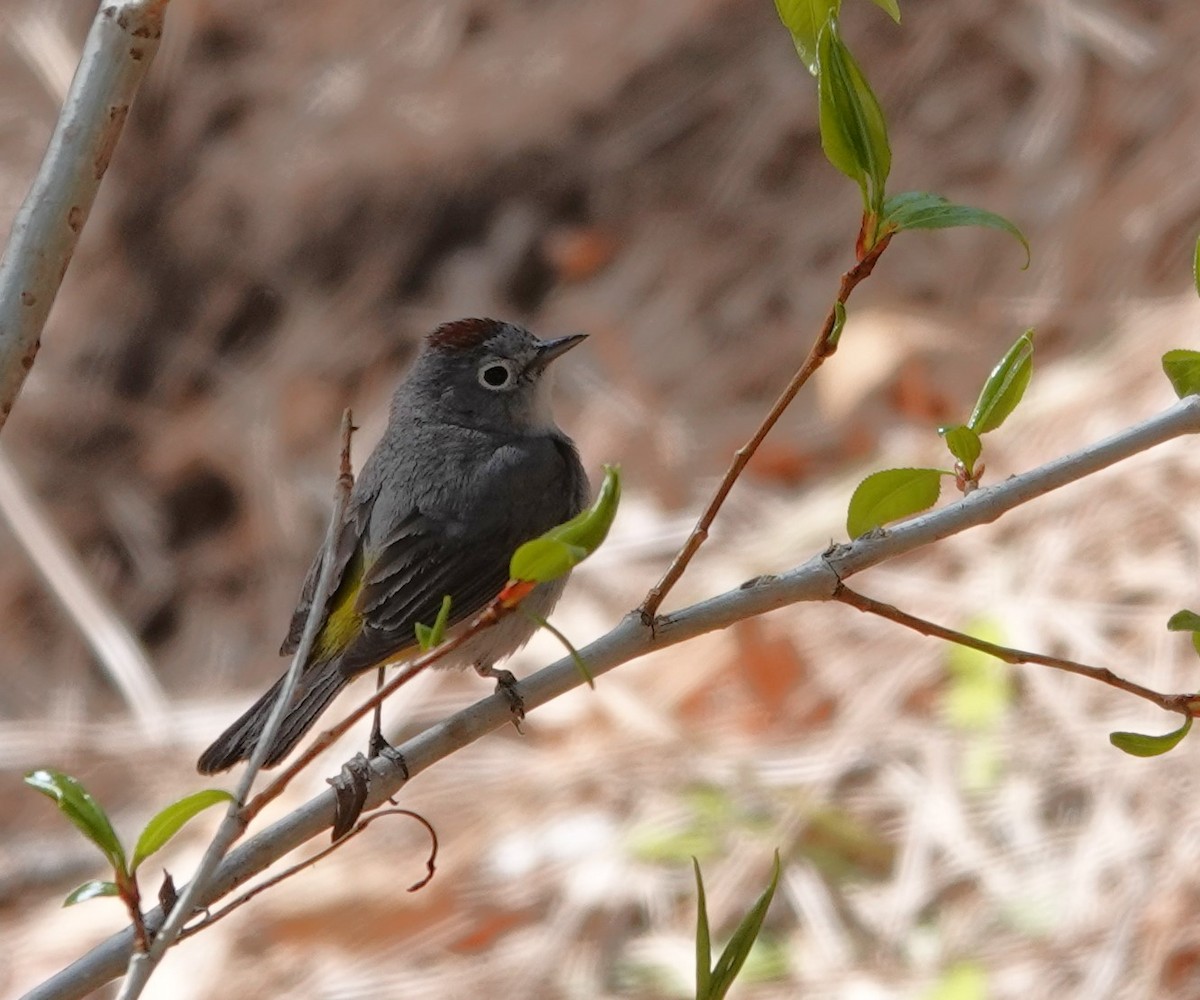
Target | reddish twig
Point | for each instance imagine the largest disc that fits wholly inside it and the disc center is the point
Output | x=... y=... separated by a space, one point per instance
x=1186 y=704
x=274 y=880
x=131 y=896
x=824 y=347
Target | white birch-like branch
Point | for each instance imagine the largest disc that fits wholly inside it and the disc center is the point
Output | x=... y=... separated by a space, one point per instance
x=118 y=51
x=815 y=580
x=122 y=42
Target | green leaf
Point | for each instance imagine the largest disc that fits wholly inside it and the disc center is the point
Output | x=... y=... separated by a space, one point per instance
x=91 y=890
x=734 y=956
x=82 y=810
x=562 y=548
x=169 y=821
x=545 y=559
x=891 y=494
x=703 y=939
x=922 y=210
x=1196 y=266
x=1183 y=369
x=964 y=444
x=839 y=324
x=1184 y=621
x=1140 y=745
x=1004 y=387
x=853 y=129
x=804 y=19
x=428 y=637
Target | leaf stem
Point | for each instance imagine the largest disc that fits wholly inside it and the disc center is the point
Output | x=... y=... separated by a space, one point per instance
x=824 y=347
x=1187 y=704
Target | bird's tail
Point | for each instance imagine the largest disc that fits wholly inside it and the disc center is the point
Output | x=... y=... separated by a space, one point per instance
x=237 y=743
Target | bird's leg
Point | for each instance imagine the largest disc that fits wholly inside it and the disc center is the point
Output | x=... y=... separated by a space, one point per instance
x=377 y=742
x=506 y=684
x=378 y=746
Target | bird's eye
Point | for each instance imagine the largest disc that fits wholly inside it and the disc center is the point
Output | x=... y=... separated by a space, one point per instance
x=496 y=375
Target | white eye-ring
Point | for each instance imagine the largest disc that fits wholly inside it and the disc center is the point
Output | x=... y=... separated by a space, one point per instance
x=497 y=375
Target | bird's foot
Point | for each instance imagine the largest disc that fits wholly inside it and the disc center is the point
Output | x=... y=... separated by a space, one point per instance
x=393 y=756
x=506 y=684
x=350 y=793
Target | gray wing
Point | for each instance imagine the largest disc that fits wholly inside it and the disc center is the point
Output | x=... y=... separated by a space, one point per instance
x=424 y=559
x=462 y=550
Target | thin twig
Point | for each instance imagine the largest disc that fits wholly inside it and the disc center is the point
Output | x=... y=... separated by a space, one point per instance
x=127 y=889
x=118 y=51
x=141 y=965
x=1188 y=704
x=815 y=580
x=824 y=347
x=274 y=880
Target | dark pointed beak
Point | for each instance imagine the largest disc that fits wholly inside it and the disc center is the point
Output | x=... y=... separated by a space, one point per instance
x=551 y=349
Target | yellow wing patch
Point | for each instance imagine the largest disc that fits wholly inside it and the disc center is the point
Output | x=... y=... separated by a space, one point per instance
x=344 y=621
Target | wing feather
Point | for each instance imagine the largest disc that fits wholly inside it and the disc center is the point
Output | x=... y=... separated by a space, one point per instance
x=348 y=542
x=407 y=580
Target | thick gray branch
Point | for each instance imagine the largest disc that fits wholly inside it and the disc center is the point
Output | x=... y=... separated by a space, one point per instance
x=815 y=580
x=116 y=55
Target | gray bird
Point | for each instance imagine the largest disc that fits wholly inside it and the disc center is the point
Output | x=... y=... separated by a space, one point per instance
x=471 y=466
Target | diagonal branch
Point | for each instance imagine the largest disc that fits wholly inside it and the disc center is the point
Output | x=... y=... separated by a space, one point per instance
x=1187 y=704
x=115 y=58
x=815 y=580
x=824 y=347
x=300 y=866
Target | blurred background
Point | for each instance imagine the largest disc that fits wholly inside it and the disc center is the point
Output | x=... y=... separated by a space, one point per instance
x=303 y=189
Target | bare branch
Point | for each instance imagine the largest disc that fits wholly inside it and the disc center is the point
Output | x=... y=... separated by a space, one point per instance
x=299 y=866
x=1187 y=704
x=824 y=347
x=116 y=55
x=816 y=580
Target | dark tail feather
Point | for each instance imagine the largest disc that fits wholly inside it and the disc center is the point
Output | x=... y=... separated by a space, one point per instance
x=237 y=743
